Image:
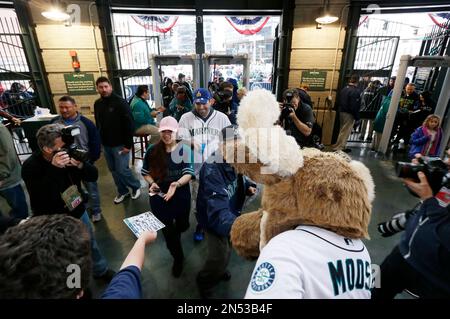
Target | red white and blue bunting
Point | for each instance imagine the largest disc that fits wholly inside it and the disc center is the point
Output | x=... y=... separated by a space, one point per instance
x=440 y=19
x=247 y=25
x=161 y=24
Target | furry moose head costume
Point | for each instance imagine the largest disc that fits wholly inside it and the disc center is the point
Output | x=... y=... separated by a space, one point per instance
x=302 y=187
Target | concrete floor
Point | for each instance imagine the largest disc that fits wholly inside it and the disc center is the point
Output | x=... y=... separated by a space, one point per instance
x=115 y=239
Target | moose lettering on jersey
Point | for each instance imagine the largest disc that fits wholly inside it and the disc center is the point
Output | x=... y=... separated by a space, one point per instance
x=350 y=274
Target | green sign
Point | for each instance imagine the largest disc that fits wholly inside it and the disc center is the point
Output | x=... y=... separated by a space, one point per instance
x=315 y=79
x=80 y=83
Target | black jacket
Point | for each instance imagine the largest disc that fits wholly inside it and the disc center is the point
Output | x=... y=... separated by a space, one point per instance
x=45 y=183
x=350 y=100
x=425 y=244
x=114 y=121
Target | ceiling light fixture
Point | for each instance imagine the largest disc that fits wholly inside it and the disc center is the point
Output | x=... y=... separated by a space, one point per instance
x=325 y=16
x=56 y=13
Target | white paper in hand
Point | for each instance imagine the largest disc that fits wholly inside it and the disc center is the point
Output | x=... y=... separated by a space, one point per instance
x=143 y=222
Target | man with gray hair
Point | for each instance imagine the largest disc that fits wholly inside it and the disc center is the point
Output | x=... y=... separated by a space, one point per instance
x=53 y=180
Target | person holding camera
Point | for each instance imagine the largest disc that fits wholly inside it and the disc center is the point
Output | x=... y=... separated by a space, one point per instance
x=224 y=101
x=53 y=180
x=88 y=140
x=297 y=118
x=420 y=263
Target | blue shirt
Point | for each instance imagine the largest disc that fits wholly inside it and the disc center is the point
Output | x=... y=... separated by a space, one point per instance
x=126 y=284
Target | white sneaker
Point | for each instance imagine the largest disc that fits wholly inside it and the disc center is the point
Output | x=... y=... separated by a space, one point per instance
x=96 y=218
x=135 y=195
x=119 y=198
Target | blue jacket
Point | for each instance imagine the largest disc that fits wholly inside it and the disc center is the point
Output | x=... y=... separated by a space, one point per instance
x=419 y=141
x=350 y=100
x=221 y=195
x=425 y=244
x=89 y=138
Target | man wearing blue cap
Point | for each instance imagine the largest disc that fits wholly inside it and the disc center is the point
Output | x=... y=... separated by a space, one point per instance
x=202 y=128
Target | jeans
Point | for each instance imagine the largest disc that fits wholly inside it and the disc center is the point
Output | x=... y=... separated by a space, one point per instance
x=15 y=197
x=93 y=204
x=121 y=172
x=99 y=263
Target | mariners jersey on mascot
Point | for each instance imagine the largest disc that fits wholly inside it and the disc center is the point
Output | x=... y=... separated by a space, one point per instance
x=205 y=132
x=311 y=263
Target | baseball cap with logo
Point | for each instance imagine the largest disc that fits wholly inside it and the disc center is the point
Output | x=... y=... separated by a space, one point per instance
x=168 y=123
x=201 y=96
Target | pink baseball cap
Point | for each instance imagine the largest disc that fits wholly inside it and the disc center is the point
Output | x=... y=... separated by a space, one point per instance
x=168 y=123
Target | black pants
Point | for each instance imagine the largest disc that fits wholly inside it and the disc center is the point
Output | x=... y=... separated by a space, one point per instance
x=172 y=235
x=397 y=275
x=219 y=250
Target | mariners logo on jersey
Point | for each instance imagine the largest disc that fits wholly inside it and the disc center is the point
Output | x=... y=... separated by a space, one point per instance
x=263 y=277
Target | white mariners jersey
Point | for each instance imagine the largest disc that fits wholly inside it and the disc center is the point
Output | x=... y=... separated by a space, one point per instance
x=311 y=263
x=206 y=133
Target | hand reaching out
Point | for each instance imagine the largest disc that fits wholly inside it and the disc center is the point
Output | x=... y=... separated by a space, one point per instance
x=148 y=237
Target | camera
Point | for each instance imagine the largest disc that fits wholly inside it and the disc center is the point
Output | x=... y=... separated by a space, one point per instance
x=435 y=170
x=397 y=222
x=68 y=134
x=287 y=107
x=224 y=95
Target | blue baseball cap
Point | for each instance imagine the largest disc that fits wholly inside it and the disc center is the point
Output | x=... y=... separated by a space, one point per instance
x=202 y=96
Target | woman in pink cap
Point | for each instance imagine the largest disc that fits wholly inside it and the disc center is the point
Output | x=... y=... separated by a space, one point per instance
x=168 y=168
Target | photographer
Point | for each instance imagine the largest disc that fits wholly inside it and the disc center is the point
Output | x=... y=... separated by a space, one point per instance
x=224 y=101
x=297 y=118
x=53 y=180
x=421 y=261
x=89 y=140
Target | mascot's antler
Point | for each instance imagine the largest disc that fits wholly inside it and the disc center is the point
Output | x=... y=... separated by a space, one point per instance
x=278 y=153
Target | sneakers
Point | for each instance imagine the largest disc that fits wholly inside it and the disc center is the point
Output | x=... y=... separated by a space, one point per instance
x=199 y=236
x=136 y=194
x=119 y=198
x=177 y=268
x=96 y=217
